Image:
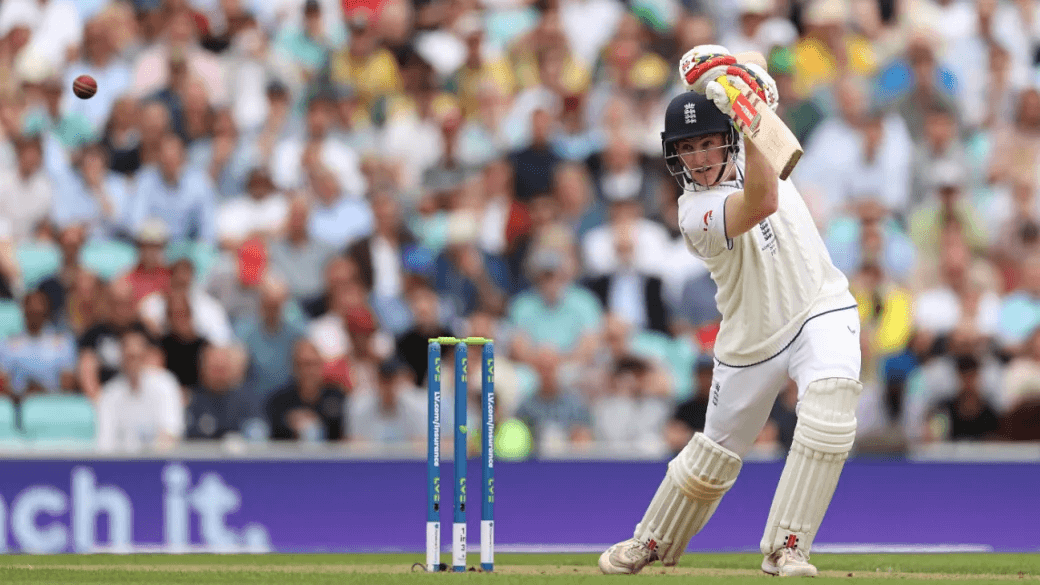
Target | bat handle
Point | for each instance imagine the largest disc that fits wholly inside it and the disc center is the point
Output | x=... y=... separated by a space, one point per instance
x=731 y=92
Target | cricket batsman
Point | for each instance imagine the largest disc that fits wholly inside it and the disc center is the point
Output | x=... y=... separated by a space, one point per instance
x=786 y=312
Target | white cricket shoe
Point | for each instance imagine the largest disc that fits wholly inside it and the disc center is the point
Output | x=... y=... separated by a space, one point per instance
x=626 y=558
x=788 y=562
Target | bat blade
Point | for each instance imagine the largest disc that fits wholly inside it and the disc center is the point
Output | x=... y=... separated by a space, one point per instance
x=764 y=129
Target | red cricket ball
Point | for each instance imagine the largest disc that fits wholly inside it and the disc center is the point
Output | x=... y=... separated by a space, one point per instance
x=84 y=87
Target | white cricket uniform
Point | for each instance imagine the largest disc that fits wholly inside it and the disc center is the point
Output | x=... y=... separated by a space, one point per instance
x=786 y=310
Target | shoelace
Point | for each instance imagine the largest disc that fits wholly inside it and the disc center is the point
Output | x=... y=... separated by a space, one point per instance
x=636 y=553
x=798 y=555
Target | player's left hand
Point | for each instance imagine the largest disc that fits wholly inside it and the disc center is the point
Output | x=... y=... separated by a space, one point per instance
x=743 y=77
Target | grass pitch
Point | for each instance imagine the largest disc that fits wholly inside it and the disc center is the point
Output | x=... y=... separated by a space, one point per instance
x=519 y=569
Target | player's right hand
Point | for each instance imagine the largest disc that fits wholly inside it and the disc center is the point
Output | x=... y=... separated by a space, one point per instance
x=702 y=64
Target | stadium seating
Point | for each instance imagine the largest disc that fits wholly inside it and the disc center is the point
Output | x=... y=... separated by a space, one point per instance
x=37 y=262
x=108 y=258
x=58 y=418
x=11 y=321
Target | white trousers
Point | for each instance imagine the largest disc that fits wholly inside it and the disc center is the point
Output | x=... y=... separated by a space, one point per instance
x=828 y=346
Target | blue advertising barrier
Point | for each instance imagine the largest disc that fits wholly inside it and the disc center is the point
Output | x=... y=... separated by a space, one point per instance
x=351 y=506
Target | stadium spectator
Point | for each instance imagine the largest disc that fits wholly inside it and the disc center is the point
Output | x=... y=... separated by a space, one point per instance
x=1020 y=311
x=300 y=255
x=369 y=343
x=555 y=312
x=56 y=27
x=58 y=286
x=307 y=46
x=880 y=239
x=383 y=259
x=216 y=407
x=60 y=131
x=628 y=291
x=182 y=196
x=533 y=166
x=580 y=210
x=886 y=309
x=83 y=305
x=209 y=318
x=917 y=80
x=947 y=210
x=89 y=193
x=261 y=212
x=174 y=94
x=968 y=415
x=100 y=353
x=306 y=409
x=937 y=148
x=269 y=338
x=42 y=358
x=466 y=275
x=411 y=346
x=294 y=156
x=151 y=273
x=556 y=414
x=939 y=379
x=101 y=61
x=179 y=35
x=861 y=152
x=236 y=278
x=142 y=407
x=392 y=412
x=329 y=332
x=221 y=150
x=630 y=416
x=122 y=137
x=1022 y=376
x=182 y=345
x=337 y=219
x=962 y=295
x=1014 y=226
x=651 y=239
x=365 y=63
x=1016 y=145
x=25 y=189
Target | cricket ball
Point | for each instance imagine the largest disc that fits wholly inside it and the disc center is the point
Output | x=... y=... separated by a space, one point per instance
x=84 y=87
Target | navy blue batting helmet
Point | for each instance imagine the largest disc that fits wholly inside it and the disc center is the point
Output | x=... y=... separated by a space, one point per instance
x=690 y=115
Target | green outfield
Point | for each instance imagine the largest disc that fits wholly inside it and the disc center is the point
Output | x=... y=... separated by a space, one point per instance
x=520 y=569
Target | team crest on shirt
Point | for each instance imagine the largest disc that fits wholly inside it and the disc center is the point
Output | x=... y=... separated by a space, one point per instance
x=768 y=239
x=707 y=219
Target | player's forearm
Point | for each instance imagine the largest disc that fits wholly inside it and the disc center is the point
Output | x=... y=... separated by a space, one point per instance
x=761 y=183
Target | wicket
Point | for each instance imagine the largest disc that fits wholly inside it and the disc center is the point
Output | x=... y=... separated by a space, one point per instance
x=433 y=454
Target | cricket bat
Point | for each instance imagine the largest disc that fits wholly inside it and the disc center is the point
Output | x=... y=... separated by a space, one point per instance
x=764 y=129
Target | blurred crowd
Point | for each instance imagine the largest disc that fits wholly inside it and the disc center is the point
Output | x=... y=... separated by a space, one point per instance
x=270 y=205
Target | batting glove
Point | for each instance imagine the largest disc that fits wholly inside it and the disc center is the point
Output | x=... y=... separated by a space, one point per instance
x=716 y=93
x=765 y=82
x=704 y=63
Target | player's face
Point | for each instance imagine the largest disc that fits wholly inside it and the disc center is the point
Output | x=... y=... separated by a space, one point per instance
x=705 y=157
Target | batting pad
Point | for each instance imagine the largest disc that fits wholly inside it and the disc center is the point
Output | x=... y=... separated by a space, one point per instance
x=823 y=438
x=697 y=479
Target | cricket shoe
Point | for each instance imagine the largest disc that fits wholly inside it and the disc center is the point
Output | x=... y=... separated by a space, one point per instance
x=627 y=557
x=788 y=562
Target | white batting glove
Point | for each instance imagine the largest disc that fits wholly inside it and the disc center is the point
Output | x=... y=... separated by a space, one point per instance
x=703 y=63
x=766 y=83
x=716 y=93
